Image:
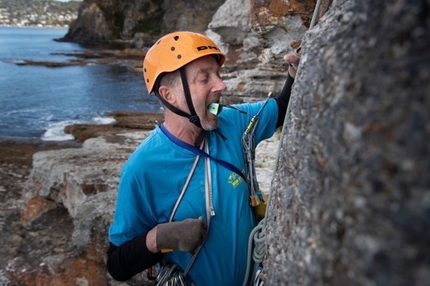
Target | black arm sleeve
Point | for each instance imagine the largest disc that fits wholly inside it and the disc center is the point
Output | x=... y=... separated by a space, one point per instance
x=282 y=99
x=130 y=258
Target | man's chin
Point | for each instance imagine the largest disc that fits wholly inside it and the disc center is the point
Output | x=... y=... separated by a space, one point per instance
x=210 y=126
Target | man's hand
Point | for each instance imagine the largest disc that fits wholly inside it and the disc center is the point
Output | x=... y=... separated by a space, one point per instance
x=293 y=60
x=184 y=235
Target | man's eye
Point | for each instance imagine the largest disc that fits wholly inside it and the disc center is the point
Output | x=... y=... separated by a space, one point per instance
x=204 y=79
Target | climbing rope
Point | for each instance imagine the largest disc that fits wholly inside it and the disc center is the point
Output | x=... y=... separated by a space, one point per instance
x=315 y=14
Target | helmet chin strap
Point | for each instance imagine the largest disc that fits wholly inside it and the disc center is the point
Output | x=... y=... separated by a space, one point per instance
x=193 y=116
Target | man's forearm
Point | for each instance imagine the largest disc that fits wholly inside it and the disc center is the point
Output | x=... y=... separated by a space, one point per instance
x=282 y=99
x=132 y=257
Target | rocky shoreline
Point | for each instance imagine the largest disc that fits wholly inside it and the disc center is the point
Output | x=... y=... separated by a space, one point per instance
x=133 y=57
x=16 y=153
x=20 y=243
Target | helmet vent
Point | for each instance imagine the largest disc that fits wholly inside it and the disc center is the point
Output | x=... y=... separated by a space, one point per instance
x=176 y=38
x=179 y=56
x=172 y=49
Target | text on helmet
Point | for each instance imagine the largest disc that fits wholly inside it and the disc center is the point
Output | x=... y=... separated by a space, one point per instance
x=201 y=48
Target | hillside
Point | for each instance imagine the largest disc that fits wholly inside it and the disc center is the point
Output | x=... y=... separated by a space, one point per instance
x=38 y=12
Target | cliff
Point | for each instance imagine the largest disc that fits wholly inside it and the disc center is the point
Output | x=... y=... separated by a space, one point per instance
x=254 y=34
x=114 y=20
x=350 y=194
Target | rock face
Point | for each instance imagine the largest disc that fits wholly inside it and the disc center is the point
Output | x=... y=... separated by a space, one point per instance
x=351 y=199
x=255 y=35
x=91 y=25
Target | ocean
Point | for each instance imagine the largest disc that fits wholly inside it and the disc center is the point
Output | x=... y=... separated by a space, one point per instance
x=38 y=101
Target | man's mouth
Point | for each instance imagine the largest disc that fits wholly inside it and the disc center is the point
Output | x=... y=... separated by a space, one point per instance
x=215 y=108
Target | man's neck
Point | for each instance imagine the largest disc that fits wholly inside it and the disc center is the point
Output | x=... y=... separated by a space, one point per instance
x=183 y=129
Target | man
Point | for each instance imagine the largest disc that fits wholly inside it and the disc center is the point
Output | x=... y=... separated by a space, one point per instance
x=175 y=203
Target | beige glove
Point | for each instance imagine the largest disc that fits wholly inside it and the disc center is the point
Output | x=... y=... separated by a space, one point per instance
x=184 y=235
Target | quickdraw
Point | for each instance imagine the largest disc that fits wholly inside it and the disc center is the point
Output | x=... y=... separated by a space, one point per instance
x=257 y=198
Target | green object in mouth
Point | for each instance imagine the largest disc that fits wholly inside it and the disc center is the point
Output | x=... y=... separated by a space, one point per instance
x=215 y=108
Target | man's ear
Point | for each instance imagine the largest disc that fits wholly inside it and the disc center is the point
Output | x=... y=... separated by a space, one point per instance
x=166 y=93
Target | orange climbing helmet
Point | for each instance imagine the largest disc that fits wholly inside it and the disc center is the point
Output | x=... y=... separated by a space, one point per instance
x=174 y=51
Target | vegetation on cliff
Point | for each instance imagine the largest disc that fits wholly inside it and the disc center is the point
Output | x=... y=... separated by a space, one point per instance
x=38 y=12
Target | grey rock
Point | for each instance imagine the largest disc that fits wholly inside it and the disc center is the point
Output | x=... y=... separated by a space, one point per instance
x=351 y=199
x=82 y=181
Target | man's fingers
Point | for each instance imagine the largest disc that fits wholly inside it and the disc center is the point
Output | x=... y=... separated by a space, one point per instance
x=292 y=59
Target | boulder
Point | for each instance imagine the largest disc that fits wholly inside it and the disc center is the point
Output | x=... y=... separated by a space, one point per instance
x=69 y=202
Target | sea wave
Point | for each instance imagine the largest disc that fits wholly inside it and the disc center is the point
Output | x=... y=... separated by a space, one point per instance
x=55 y=131
x=104 y=120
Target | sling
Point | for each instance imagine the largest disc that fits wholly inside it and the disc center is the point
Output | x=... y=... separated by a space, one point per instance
x=200 y=152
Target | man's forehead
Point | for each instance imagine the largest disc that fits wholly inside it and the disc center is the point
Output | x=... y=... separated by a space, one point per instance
x=204 y=64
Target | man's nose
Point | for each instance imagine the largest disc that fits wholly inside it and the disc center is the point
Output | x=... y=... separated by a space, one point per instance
x=220 y=85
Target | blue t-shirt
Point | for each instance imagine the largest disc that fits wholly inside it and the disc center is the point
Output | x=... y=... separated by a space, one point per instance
x=155 y=174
